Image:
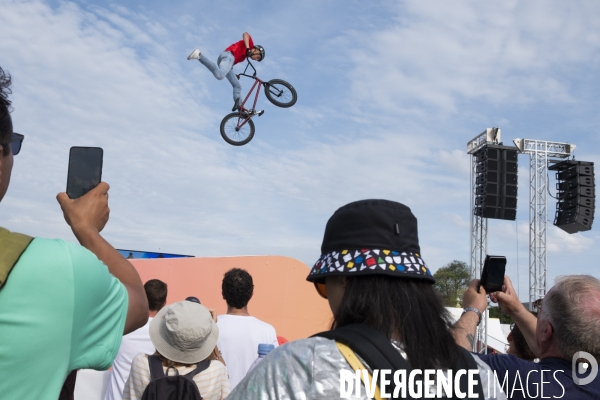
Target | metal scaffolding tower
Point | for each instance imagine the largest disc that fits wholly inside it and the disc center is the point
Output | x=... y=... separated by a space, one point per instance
x=541 y=153
x=479 y=224
x=479 y=227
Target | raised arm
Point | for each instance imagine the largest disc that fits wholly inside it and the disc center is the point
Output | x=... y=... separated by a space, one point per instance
x=509 y=303
x=246 y=39
x=465 y=328
x=87 y=216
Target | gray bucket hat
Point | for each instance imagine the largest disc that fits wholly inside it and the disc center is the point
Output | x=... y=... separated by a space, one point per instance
x=184 y=332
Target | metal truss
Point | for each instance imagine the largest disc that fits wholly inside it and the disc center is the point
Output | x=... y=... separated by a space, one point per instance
x=540 y=154
x=479 y=227
x=490 y=135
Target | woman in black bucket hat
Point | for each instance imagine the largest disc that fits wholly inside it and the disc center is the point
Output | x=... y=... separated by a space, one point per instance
x=378 y=287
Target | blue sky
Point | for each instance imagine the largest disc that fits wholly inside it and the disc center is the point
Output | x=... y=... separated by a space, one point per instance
x=389 y=95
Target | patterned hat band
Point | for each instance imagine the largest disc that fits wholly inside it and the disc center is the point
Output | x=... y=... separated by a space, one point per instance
x=370 y=261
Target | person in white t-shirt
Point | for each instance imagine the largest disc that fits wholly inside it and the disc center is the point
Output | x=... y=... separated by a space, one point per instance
x=240 y=333
x=136 y=342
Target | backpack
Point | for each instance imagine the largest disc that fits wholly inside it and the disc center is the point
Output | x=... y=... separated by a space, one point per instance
x=176 y=387
x=12 y=245
x=378 y=353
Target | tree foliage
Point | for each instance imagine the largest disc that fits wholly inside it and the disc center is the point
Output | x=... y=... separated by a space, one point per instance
x=451 y=281
x=496 y=312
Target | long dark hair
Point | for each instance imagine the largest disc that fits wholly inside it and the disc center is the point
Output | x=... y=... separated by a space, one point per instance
x=405 y=309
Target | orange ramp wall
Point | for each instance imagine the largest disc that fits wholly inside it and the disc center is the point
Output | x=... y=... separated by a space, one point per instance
x=282 y=296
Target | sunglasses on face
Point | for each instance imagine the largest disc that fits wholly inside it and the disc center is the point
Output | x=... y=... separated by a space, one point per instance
x=15 y=143
x=321 y=289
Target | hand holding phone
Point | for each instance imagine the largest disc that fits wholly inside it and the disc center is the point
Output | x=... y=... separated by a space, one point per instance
x=492 y=276
x=85 y=170
x=87 y=213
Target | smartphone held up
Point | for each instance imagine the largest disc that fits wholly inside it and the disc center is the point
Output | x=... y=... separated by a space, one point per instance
x=492 y=275
x=85 y=170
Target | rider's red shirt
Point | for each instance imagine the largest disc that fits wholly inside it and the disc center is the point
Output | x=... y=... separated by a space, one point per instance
x=239 y=50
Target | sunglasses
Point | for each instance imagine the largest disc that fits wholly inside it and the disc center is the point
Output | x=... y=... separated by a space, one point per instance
x=321 y=289
x=15 y=143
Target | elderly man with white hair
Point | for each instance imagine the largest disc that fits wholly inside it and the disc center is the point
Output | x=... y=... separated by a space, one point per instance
x=565 y=333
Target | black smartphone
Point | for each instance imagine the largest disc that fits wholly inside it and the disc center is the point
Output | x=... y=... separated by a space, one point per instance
x=492 y=276
x=85 y=170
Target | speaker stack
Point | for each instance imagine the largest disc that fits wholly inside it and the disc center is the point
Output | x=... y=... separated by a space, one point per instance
x=496 y=182
x=576 y=195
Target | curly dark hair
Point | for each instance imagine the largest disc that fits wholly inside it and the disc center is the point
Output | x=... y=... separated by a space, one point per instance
x=156 y=292
x=237 y=287
x=6 y=128
x=521 y=347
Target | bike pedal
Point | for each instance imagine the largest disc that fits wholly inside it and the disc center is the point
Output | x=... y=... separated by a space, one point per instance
x=261 y=112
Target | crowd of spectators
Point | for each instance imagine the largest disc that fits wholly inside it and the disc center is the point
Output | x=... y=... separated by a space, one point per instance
x=65 y=307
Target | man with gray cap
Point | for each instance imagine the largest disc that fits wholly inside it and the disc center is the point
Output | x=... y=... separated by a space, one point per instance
x=373 y=276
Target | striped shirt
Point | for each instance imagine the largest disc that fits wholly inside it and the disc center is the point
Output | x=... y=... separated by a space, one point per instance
x=213 y=382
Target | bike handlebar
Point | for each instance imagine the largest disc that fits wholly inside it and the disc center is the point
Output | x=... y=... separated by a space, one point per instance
x=251 y=66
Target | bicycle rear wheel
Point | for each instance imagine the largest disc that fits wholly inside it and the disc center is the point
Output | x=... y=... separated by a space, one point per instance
x=235 y=131
x=280 y=93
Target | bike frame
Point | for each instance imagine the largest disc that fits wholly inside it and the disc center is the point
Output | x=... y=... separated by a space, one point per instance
x=257 y=80
x=257 y=84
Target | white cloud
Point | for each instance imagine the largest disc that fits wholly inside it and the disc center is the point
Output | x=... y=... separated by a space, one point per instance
x=374 y=117
x=442 y=54
x=561 y=241
x=458 y=220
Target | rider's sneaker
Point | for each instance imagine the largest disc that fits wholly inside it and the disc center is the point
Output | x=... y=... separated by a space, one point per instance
x=236 y=106
x=195 y=55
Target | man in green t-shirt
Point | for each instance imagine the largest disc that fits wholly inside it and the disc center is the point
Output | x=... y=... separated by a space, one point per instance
x=63 y=306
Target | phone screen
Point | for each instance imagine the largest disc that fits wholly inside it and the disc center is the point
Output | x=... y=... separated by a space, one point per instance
x=492 y=276
x=85 y=170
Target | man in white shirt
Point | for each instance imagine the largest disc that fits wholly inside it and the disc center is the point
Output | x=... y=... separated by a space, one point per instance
x=136 y=342
x=239 y=332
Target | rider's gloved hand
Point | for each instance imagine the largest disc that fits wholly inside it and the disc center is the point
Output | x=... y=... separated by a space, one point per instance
x=248 y=52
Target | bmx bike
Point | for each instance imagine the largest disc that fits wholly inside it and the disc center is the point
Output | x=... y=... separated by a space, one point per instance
x=237 y=128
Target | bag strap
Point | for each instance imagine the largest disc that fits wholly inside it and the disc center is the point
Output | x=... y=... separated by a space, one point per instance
x=12 y=245
x=357 y=365
x=372 y=346
x=378 y=352
x=199 y=368
x=156 y=368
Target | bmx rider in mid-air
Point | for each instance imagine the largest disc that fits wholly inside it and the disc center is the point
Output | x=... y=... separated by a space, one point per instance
x=234 y=54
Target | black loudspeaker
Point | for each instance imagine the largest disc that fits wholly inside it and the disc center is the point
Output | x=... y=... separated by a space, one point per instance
x=576 y=195
x=496 y=182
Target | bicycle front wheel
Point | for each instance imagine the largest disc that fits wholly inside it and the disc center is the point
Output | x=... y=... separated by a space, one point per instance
x=236 y=130
x=280 y=93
